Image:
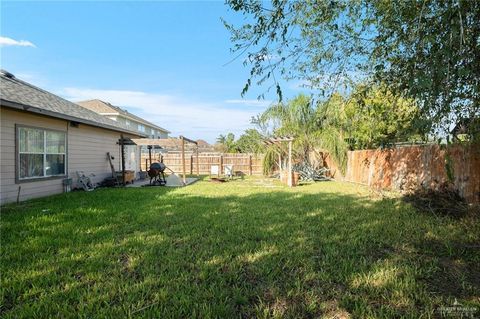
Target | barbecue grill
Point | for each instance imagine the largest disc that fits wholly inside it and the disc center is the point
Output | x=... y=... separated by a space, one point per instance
x=157 y=174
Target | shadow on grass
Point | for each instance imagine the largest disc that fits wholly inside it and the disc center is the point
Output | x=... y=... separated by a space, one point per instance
x=166 y=253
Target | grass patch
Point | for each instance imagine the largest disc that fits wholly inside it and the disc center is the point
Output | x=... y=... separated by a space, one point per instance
x=247 y=248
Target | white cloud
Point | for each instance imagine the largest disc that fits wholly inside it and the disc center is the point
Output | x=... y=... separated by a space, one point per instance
x=4 y=41
x=177 y=114
x=254 y=103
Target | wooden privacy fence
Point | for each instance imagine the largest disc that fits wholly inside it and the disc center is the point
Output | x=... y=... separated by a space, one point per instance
x=248 y=164
x=410 y=168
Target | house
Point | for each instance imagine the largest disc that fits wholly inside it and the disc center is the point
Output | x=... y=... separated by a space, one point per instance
x=130 y=121
x=46 y=139
x=125 y=118
x=205 y=147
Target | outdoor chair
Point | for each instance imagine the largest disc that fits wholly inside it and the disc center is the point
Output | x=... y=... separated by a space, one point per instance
x=228 y=171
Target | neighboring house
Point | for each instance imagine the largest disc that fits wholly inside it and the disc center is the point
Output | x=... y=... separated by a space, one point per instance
x=46 y=139
x=125 y=118
x=204 y=147
x=130 y=121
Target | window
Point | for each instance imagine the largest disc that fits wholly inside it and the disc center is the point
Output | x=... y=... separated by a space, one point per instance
x=41 y=153
x=127 y=122
x=141 y=128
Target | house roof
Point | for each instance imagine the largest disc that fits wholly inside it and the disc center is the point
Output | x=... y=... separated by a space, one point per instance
x=21 y=95
x=170 y=143
x=106 y=108
x=203 y=143
x=98 y=106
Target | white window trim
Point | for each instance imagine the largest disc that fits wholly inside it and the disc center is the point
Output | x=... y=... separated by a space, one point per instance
x=44 y=153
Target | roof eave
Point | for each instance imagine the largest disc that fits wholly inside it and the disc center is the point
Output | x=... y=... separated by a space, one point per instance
x=37 y=110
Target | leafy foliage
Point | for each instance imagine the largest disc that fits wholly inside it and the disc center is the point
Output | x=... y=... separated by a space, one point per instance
x=251 y=141
x=370 y=117
x=378 y=118
x=226 y=144
x=428 y=50
x=295 y=118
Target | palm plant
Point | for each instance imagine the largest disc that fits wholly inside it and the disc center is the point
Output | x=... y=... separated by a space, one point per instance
x=310 y=127
x=295 y=118
x=227 y=143
x=333 y=124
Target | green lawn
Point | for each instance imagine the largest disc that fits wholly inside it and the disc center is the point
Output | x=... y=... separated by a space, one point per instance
x=248 y=248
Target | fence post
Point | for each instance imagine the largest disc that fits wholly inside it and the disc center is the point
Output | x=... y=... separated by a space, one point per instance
x=221 y=164
x=183 y=161
x=250 y=165
x=191 y=164
x=196 y=161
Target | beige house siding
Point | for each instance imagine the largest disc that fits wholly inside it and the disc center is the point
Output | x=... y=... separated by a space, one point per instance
x=86 y=151
x=8 y=187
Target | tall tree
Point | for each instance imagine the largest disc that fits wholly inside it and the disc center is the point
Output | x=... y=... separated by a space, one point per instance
x=226 y=143
x=375 y=117
x=427 y=50
x=298 y=117
x=251 y=141
x=295 y=117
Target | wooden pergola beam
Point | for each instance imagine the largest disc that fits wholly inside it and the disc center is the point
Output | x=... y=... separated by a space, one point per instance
x=184 y=166
x=279 y=140
x=188 y=140
x=183 y=161
x=290 y=182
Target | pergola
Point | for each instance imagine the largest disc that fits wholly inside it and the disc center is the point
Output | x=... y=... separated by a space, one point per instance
x=166 y=143
x=279 y=140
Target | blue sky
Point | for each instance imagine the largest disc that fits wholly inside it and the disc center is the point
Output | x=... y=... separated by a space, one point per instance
x=164 y=61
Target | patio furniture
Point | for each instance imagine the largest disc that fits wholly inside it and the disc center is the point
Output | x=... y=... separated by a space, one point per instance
x=228 y=171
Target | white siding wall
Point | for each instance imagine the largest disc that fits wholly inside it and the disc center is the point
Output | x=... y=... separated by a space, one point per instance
x=87 y=151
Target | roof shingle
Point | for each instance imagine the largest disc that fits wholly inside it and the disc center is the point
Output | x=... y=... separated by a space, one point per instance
x=22 y=95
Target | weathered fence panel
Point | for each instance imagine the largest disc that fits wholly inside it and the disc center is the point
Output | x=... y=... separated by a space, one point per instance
x=413 y=167
x=248 y=164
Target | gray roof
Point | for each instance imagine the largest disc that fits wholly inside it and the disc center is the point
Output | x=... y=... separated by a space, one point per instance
x=21 y=95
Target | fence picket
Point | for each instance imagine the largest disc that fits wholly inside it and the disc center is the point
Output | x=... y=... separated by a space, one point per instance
x=248 y=164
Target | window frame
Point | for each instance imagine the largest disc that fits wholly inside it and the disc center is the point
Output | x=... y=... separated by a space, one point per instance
x=18 y=179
